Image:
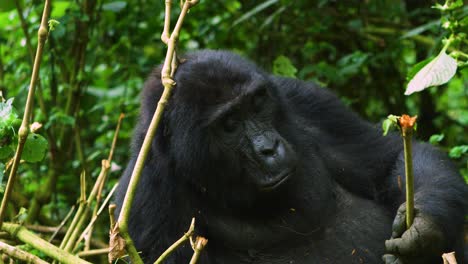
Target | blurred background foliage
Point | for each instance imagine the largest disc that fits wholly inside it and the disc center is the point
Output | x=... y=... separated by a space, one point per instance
x=97 y=58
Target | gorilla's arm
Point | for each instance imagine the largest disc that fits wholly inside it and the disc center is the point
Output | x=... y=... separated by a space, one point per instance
x=370 y=165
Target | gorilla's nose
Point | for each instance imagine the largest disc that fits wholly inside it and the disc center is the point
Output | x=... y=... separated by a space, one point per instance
x=272 y=152
x=266 y=147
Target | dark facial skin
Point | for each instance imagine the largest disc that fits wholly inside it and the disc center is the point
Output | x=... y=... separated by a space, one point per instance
x=269 y=158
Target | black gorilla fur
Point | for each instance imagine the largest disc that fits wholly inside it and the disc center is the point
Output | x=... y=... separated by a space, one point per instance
x=277 y=170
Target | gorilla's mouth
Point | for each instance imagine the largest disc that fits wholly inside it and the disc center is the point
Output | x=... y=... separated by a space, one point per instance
x=273 y=182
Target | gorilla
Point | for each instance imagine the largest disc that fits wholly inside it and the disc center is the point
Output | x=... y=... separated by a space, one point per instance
x=277 y=170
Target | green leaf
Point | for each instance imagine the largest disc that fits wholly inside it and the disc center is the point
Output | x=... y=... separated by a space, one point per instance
x=352 y=63
x=115 y=7
x=386 y=125
x=416 y=68
x=418 y=30
x=59 y=8
x=436 y=138
x=7 y=5
x=254 y=11
x=5 y=152
x=7 y=113
x=283 y=66
x=458 y=151
x=52 y=24
x=60 y=118
x=21 y=216
x=389 y=123
x=35 y=148
x=393 y=118
x=437 y=72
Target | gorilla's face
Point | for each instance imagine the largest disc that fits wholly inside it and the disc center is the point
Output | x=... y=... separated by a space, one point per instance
x=266 y=159
x=228 y=139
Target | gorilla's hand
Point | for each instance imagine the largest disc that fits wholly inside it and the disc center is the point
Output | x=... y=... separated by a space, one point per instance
x=422 y=243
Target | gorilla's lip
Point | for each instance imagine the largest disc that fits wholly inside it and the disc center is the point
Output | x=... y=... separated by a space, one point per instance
x=277 y=180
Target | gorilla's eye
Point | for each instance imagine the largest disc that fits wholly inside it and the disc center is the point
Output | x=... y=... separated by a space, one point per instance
x=230 y=124
x=259 y=100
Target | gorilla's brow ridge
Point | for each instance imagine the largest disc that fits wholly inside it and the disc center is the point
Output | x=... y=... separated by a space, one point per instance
x=223 y=109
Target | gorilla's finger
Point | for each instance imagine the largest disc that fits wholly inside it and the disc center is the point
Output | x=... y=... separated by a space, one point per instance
x=402 y=246
x=399 y=223
x=389 y=258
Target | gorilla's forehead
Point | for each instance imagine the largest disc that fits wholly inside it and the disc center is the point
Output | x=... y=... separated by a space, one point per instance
x=213 y=81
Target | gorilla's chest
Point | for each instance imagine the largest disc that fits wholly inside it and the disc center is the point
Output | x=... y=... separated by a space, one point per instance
x=356 y=234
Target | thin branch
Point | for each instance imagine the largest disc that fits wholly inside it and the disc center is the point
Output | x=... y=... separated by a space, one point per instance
x=25 y=28
x=80 y=219
x=87 y=231
x=116 y=135
x=93 y=252
x=122 y=224
x=69 y=242
x=167 y=23
x=179 y=242
x=407 y=124
x=62 y=224
x=40 y=244
x=111 y=215
x=19 y=254
x=76 y=218
x=24 y=129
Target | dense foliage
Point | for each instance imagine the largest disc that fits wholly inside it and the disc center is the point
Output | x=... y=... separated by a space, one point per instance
x=97 y=58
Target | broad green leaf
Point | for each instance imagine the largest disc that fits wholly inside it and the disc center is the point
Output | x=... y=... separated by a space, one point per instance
x=283 y=66
x=458 y=151
x=434 y=139
x=7 y=5
x=5 y=152
x=35 y=148
x=59 y=8
x=437 y=72
x=416 y=68
x=60 y=118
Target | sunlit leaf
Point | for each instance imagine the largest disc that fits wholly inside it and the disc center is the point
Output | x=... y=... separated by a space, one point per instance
x=7 y=5
x=52 y=24
x=458 y=151
x=35 y=148
x=416 y=68
x=283 y=66
x=59 y=8
x=437 y=72
x=5 y=152
x=434 y=139
x=389 y=123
